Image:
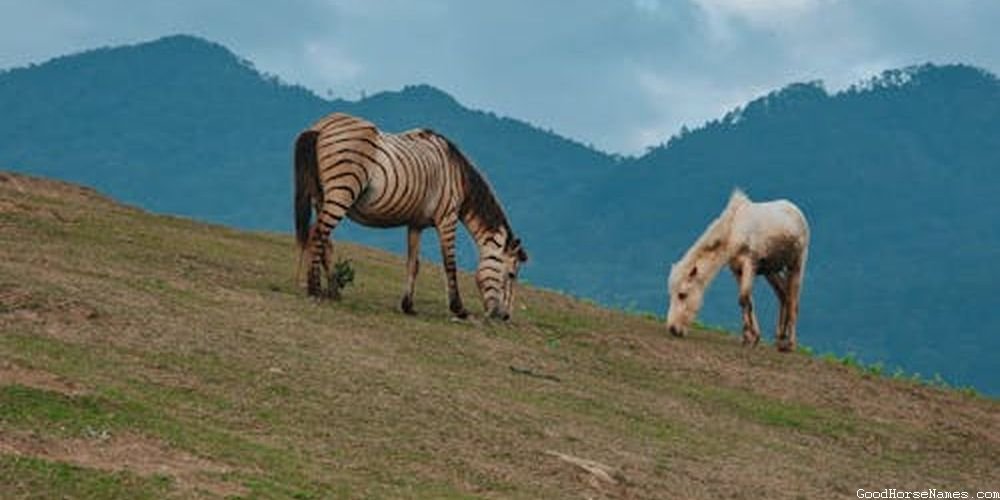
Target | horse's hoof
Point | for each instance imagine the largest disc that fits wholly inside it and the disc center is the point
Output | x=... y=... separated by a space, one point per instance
x=406 y=305
x=457 y=309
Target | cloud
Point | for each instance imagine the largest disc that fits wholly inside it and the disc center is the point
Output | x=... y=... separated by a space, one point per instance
x=678 y=100
x=331 y=63
x=764 y=13
x=620 y=75
x=647 y=5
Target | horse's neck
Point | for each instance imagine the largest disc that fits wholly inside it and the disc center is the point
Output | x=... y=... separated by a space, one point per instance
x=711 y=264
x=480 y=231
x=712 y=251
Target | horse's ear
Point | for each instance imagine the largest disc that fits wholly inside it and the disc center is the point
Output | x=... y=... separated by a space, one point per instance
x=694 y=272
x=517 y=249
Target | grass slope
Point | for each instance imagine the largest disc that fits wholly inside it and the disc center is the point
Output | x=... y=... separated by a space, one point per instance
x=144 y=356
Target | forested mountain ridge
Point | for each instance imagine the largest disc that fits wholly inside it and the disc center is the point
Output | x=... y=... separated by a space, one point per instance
x=897 y=176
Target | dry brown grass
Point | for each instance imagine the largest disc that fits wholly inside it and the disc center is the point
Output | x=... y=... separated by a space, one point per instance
x=196 y=339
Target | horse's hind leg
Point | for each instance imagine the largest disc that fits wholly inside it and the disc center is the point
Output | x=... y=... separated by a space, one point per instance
x=339 y=195
x=332 y=285
x=780 y=285
x=318 y=260
x=794 y=289
x=745 y=273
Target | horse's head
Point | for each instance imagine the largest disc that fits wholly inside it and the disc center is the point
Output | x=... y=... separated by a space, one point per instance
x=497 y=273
x=686 y=294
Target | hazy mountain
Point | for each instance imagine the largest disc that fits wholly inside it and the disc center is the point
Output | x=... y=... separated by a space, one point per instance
x=899 y=179
x=182 y=125
x=897 y=176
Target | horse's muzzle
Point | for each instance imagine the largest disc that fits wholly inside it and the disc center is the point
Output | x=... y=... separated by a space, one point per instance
x=500 y=315
x=676 y=331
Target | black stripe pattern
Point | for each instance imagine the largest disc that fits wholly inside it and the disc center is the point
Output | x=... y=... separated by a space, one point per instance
x=345 y=166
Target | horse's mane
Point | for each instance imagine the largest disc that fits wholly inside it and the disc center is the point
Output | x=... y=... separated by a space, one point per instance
x=479 y=199
x=710 y=245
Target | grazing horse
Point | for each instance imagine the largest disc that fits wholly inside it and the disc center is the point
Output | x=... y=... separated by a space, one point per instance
x=344 y=166
x=768 y=238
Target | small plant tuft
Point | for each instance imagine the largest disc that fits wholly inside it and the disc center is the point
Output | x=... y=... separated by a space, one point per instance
x=343 y=273
x=851 y=360
x=970 y=392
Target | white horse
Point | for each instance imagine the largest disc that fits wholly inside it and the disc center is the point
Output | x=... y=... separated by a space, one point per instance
x=769 y=238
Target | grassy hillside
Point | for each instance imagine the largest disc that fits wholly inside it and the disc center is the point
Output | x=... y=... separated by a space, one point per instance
x=144 y=356
x=896 y=175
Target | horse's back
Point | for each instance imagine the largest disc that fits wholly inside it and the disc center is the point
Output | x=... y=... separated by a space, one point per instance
x=334 y=122
x=766 y=224
x=786 y=214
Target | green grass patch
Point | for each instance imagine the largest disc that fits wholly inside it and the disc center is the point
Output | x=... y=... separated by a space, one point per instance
x=28 y=407
x=601 y=411
x=32 y=478
x=766 y=411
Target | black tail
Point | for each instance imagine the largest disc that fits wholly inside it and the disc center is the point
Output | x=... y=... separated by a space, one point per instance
x=306 y=183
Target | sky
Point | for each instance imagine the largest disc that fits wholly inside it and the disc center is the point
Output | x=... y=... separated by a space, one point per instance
x=621 y=75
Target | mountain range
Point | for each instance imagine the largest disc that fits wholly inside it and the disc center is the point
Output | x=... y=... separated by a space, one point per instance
x=896 y=174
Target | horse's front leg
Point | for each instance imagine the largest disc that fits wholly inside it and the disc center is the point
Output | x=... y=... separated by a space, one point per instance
x=412 y=268
x=745 y=273
x=446 y=236
x=794 y=290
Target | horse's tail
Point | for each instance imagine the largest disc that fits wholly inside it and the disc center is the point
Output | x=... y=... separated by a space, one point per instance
x=307 y=189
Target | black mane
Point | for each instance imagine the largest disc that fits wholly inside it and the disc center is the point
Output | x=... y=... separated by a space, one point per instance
x=479 y=199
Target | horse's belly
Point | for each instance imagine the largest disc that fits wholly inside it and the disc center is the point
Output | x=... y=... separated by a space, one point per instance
x=365 y=213
x=781 y=253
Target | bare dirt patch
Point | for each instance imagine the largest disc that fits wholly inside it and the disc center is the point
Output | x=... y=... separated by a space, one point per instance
x=11 y=374
x=137 y=454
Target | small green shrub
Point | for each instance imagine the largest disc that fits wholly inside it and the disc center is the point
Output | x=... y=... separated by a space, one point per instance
x=851 y=360
x=343 y=273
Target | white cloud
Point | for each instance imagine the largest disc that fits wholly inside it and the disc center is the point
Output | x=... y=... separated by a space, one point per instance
x=682 y=100
x=647 y=5
x=621 y=75
x=762 y=13
x=331 y=63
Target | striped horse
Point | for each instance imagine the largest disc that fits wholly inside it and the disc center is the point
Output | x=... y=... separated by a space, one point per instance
x=345 y=166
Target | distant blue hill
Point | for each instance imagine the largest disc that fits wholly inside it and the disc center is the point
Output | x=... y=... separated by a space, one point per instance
x=897 y=175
